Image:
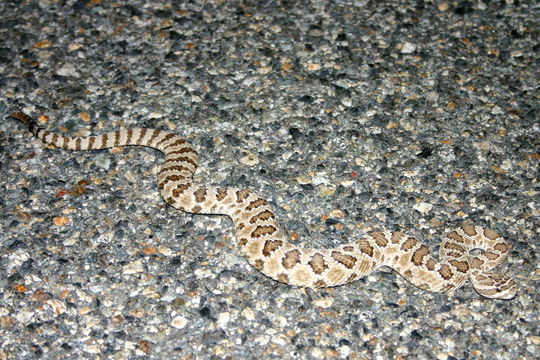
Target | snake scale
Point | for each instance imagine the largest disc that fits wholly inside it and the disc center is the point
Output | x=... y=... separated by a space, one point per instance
x=264 y=244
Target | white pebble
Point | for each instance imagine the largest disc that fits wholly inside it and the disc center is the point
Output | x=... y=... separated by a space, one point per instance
x=497 y=111
x=68 y=70
x=133 y=267
x=408 y=48
x=423 y=207
x=179 y=322
x=92 y=348
x=324 y=302
x=223 y=319
x=250 y=159
x=58 y=307
x=248 y=313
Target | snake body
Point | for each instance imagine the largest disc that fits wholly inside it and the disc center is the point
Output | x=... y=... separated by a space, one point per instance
x=264 y=244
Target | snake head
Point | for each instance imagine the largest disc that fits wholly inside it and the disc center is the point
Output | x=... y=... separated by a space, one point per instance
x=493 y=285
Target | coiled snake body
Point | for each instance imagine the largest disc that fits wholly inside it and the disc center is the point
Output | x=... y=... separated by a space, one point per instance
x=264 y=244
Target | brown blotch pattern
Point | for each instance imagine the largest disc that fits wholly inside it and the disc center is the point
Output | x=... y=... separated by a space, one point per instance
x=481 y=277
x=182 y=159
x=180 y=188
x=170 y=178
x=178 y=168
x=221 y=193
x=141 y=135
x=284 y=278
x=501 y=247
x=291 y=259
x=446 y=272
x=91 y=141
x=498 y=277
x=155 y=134
x=169 y=159
x=183 y=150
x=491 y=255
x=42 y=134
x=242 y=195
x=455 y=247
x=430 y=264
x=129 y=135
x=317 y=263
x=455 y=236
x=258 y=264
x=256 y=203
x=351 y=277
x=242 y=241
x=409 y=244
x=262 y=216
x=348 y=248
x=418 y=256
x=396 y=237
x=270 y=246
x=104 y=139
x=196 y=209
x=178 y=143
x=165 y=138
x=319 y=284
x=469 y=230
x=346 y=260
x=200 y=194
x=365 y=247
x=461 y=266
x=54 y=137
x=490 y=234
x=263 y=230
x=380 y=239
x=116 y=138
x=476 y=263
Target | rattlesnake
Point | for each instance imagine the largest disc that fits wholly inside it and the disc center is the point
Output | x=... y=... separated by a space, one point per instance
x=264 y=244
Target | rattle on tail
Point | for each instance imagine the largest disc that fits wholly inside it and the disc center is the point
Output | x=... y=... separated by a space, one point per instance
x=264 y=244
